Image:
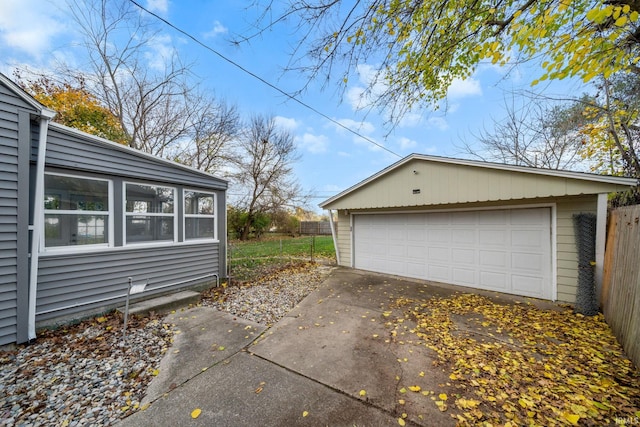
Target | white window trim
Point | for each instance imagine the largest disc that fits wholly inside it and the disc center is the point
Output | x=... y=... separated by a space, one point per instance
x=214 y=216
x=125 y=214
x=81 y=248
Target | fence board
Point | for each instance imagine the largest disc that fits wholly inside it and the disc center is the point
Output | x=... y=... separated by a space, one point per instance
x=621 y=281
x=316 y=228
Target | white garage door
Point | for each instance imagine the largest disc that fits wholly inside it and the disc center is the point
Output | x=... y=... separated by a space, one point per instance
x=500 y=250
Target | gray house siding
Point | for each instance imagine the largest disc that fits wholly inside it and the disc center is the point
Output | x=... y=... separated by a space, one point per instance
x=14 y=119
x=67 y=149
x=76 y=279
x=80 y=283
x=70 y=285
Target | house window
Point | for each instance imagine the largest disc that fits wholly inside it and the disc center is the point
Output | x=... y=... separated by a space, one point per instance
x=149 y=214
x=76 y=211
x=199 y=215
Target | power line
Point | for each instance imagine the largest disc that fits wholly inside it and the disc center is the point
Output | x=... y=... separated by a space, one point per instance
x=257 y=77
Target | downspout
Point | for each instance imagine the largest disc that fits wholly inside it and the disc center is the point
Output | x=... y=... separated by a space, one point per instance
x=38 y=221
x=333 y=234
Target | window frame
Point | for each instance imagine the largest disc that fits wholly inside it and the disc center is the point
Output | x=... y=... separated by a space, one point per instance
x=126 y=214
x=213 y=216
x=109 y=213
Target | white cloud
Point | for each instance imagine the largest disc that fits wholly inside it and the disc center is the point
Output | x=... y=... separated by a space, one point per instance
x=286 y=123
x=369 y=87
x=406 y=143
x=29 y=25
x=217 y=29
x=410 y=119
x=438 y=123
x=429 y=150
x=160 y=52
x=160 y=6
x=314 y=143
x=463 y=88
x=364 y=127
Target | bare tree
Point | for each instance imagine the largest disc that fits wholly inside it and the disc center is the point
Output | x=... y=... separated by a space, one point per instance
x=213 y=129
x=139 y=77
x=534 y=134
x=265 y=170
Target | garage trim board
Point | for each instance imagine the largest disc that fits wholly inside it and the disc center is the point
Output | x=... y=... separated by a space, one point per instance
x=506 y=250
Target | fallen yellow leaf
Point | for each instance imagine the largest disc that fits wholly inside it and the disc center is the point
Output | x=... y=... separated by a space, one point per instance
x=415 y=388
x=363 y=393
x=305 y=413
x=401 y=421
x=572 y=418
x=442 y=396
x=196 y=413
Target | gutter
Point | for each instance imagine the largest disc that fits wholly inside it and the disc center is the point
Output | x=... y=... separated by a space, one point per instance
x=38 y=221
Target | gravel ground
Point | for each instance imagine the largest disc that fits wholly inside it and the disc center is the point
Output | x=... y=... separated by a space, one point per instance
x=81 y=375
x=271 y=298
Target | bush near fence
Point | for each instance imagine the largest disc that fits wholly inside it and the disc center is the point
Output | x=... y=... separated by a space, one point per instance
x=621 y=281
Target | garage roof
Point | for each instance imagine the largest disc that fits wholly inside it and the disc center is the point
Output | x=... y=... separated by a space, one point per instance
x=420 y=180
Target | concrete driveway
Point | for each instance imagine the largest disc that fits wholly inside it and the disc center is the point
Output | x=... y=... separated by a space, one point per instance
x=332 y=361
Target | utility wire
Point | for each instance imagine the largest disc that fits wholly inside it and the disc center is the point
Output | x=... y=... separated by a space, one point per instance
x=257 y=77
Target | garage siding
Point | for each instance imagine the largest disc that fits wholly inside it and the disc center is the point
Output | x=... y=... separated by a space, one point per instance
x=567 y=253
x=344 y=238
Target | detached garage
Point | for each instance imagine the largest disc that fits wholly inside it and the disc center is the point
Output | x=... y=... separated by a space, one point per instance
x=482 y=225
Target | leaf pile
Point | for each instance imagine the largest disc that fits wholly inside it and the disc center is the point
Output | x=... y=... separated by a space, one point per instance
x=519 y=365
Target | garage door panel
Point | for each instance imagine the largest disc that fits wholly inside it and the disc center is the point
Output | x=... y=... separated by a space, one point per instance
x=465 y=276
x=533 y=217
x=528 y=286
x=378 y=249
x=437 y=219
x=439 y=235
x=503 y=250
x=396 y=267
x=464 y=218
x=416 y=269
x=397 y=250
x=492 y=217
x=467 y=256
x=496 y=237
x=463 y=237
x=527 y=238
x=493 y=280
x=416 y=235
x=438 y=254
x=415 y=253
x=494 y=259
x=439 y=273
x=527 y=261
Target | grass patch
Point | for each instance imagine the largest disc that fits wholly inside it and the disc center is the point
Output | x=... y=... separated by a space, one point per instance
x=250 y=260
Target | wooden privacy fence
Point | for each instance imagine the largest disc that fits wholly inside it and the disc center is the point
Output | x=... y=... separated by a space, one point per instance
x=621 y=281
x=316 y=228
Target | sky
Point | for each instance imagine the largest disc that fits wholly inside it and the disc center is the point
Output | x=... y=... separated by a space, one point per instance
x=39 y=33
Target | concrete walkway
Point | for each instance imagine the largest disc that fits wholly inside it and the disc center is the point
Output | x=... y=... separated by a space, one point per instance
x=308 y=369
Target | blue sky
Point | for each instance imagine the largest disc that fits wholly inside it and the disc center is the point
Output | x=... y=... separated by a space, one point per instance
x=34 y=33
